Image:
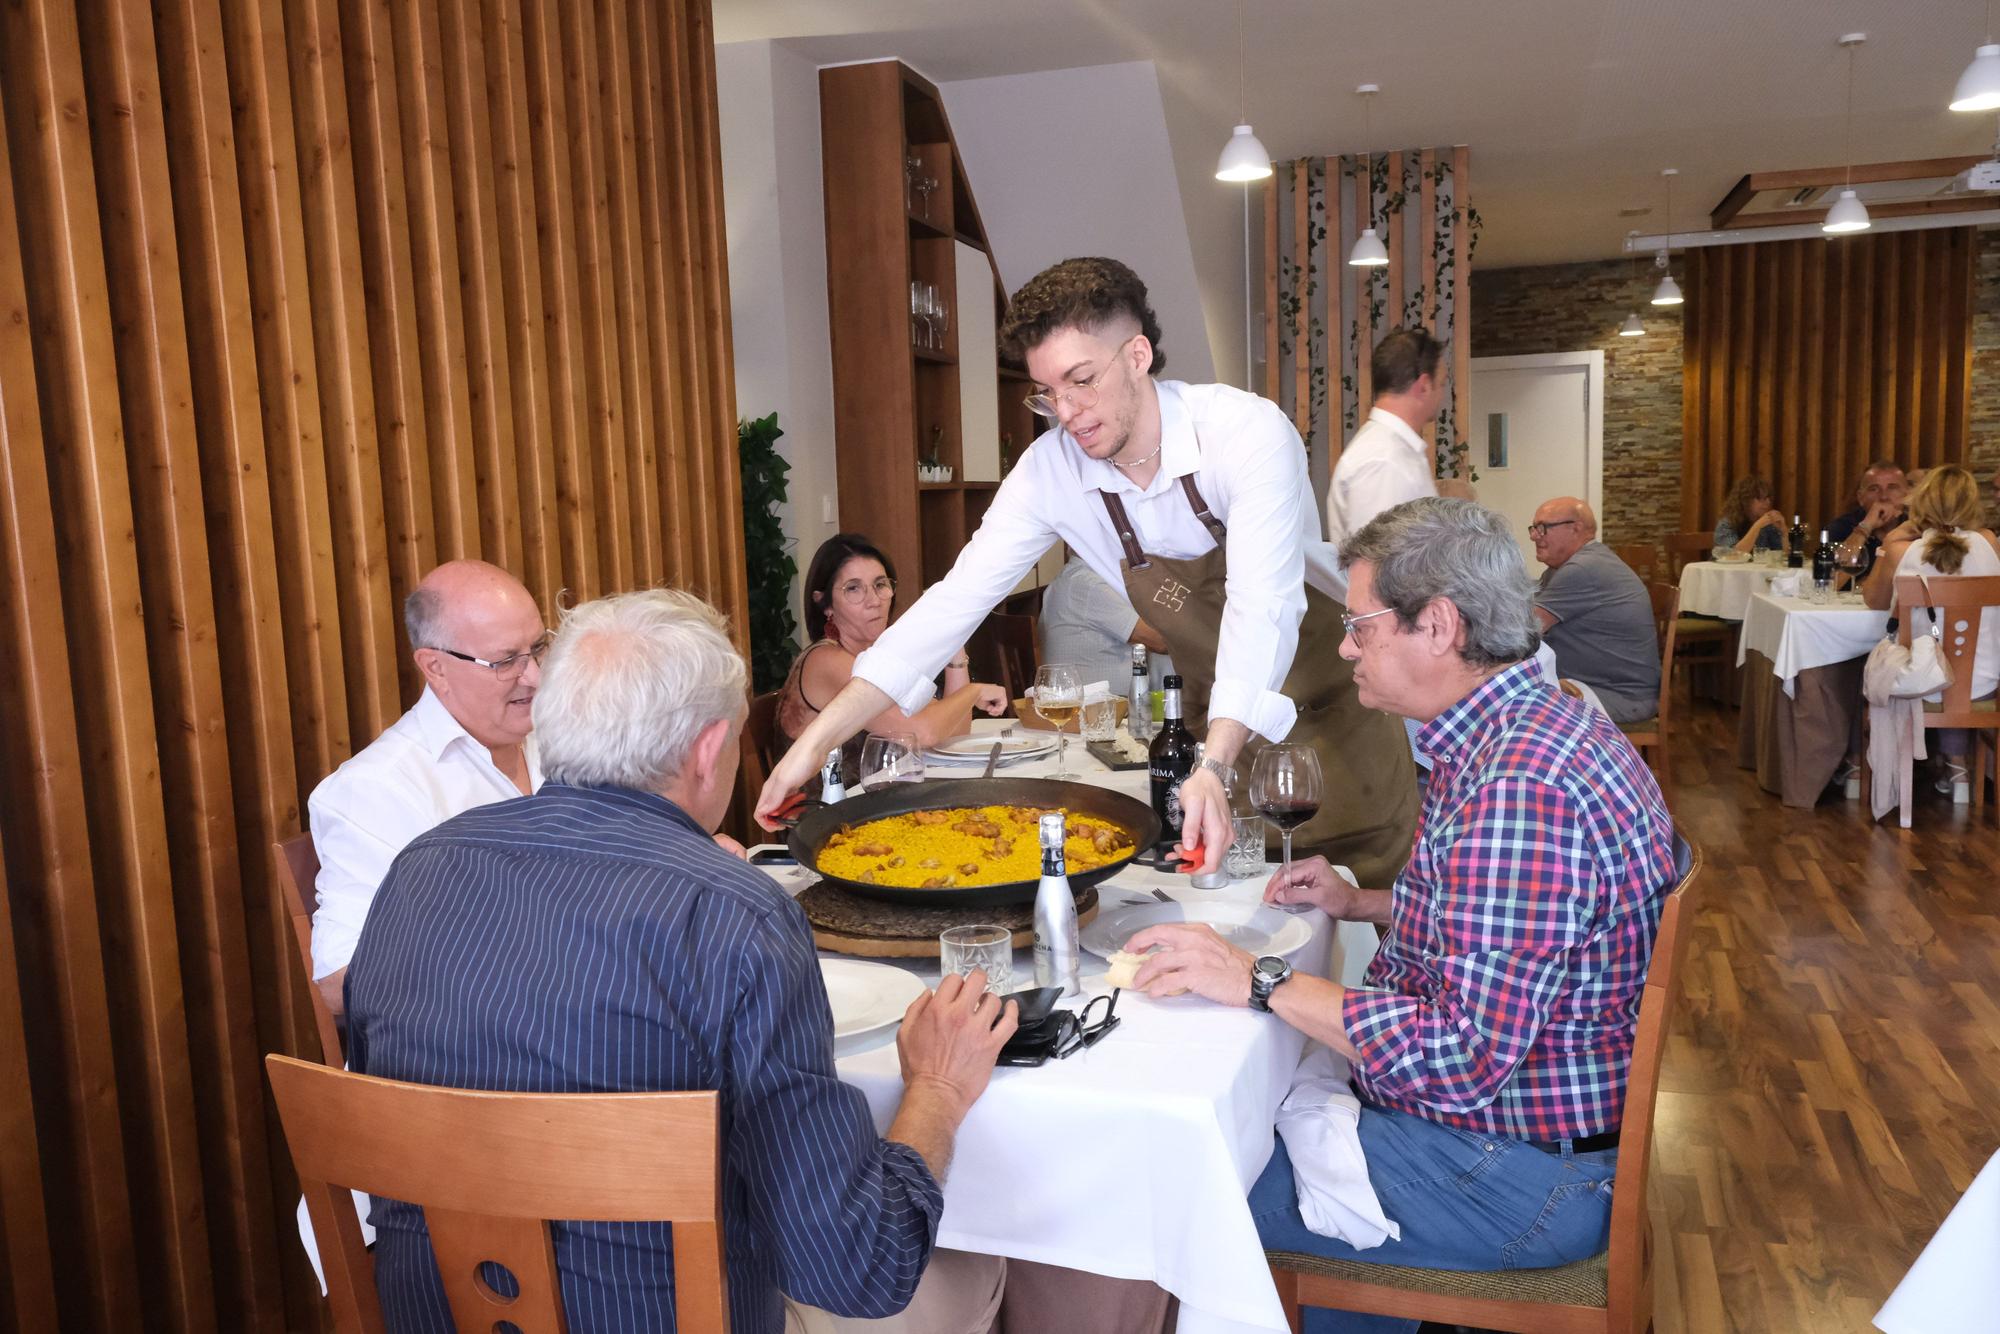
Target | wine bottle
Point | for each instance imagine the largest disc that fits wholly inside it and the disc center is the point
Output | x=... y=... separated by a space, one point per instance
x=1170 y=760
x=1795 y=555
x=1057 y=957
x=1139 y=714
x=1823 y=561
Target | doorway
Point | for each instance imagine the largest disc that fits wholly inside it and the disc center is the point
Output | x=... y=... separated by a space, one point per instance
x=1536 y=430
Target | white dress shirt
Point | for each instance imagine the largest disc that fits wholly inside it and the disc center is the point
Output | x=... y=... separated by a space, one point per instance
x=420 y=772
x=1385 y=464
x=1251 y=468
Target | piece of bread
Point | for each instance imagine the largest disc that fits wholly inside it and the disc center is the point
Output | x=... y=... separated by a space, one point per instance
x=1124 y=972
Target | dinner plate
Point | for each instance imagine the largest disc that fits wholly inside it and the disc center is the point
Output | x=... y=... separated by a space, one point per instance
x=867 y=997
x=1248 y=926
x=973 y=748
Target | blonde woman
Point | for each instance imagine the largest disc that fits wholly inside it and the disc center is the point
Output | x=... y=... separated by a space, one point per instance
x=1943 y=536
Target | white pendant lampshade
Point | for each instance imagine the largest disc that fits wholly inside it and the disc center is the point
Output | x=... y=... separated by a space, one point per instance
x=1631 y=328
x=1243 y=158
x=1979 y=87
x=1368 y=252
x=1668 y=293
x=1848 y=214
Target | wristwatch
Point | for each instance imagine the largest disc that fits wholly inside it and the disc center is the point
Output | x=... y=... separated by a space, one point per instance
x=1230 y=778
x=1266 y=976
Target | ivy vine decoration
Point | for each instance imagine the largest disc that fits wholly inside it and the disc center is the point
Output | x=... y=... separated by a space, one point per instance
x=767 y=554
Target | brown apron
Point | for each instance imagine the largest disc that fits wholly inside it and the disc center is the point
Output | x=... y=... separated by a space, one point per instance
x=1368 y=814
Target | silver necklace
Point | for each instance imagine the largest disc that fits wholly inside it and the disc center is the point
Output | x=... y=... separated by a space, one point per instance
x=1140 y=463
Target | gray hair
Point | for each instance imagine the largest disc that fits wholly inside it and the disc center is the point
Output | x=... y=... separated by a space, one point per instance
x=629 y=683
x=1434 y=547
x=423 y=617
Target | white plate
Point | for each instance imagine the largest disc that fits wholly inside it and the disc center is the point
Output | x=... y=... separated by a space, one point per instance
x=1249 y=926
x=973 y=748
x=867 y=997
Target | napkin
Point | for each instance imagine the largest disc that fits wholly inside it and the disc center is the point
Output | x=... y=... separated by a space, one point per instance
x=1320 y=1120
x=1096 y=690
x=1788 y=585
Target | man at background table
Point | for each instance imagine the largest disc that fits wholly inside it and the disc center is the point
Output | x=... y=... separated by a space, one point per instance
x=1491 y=1040
x=1595 y=612
x=1879 y=502
x=1388 y=461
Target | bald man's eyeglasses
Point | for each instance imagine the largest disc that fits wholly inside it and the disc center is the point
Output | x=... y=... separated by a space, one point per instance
x=1542 y=529
x=510 y=667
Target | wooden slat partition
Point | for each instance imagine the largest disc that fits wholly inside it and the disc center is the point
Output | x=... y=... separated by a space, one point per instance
x=1804 y=360
x=297 y=297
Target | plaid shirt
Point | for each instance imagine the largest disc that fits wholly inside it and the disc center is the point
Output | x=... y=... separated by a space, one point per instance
x=1505 y=996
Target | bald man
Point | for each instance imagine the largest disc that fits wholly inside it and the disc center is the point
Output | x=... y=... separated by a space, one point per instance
x=477 y=637
x=1594 y=612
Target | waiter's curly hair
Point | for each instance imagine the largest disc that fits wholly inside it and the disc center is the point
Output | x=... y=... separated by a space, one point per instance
x=1085 y=293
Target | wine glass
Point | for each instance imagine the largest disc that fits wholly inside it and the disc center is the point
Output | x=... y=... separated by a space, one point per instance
x=1059 y=698
x=1854 y=561
x=1285 y=789
x=892 y=757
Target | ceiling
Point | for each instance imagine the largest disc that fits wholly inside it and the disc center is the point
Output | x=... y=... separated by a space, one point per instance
x=1571 y=107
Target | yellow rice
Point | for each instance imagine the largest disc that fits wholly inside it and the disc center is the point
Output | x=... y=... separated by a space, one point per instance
x=907 y=852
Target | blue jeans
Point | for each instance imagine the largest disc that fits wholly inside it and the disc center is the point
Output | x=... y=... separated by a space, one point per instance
x=1463 y=1200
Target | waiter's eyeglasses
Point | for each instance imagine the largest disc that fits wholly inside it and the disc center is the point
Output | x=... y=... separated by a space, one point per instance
x=1079 y=396
x=1352 y=624
x=510 y=667
x=1542 y=529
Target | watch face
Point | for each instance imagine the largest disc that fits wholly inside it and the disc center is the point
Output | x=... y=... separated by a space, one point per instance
x=1271 y=966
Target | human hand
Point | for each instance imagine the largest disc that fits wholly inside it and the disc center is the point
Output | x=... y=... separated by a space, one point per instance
x=1765 y=520
x=1878 y=516
x=790 y=773
x=951 y=1036
x=990 y=700
x=732 y=847
x=1207 y=828
x=1313 y=881
x=1193 y=958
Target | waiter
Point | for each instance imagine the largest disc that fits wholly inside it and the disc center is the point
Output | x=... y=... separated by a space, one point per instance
x=1195 y=499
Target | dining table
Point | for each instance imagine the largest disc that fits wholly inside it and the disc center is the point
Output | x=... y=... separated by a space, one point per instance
x=1801 y=693
x=1133 y=1157
x=1954 y=1287
x=1723 y=589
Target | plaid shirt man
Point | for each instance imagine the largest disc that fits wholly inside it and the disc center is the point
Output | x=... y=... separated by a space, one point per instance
x=1506 y=993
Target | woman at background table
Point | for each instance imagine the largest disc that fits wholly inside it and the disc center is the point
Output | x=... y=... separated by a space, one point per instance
x=1748 y=520
x=850 y=590
x=1943 y=536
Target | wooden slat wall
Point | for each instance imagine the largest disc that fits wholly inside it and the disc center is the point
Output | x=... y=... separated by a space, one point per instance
x=297 y=297
x=1804 y=360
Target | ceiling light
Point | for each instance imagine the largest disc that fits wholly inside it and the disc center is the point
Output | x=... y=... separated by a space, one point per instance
x=1632 y=328
x=1243 y=157
x=1848 y=213
x=1668 y=293
x=1979 y=87
x=1368 y=252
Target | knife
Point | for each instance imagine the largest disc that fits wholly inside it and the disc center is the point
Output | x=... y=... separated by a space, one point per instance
x=993 y=758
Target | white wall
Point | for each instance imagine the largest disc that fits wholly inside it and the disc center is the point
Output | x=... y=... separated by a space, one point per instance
x=768 y=98
x=1078 y=162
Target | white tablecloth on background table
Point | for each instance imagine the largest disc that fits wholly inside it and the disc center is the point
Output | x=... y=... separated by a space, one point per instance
x=1133 y=1158
x=1710 y=588
x=1954 y=1287
x=1797 y=635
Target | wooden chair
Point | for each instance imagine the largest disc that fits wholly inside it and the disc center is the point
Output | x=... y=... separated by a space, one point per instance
x=1650 y=735
x=1610 y=1293
x=1706 y=644
x=1959 y=599
x=1643 y=557
x=762 y=748
x=1683 y=549
x=1006 y=643
x=298 y=872
x=489 y=1169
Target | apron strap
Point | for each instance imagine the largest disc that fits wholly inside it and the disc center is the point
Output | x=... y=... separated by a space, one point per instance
x=1135 y=557
x=1200 y=506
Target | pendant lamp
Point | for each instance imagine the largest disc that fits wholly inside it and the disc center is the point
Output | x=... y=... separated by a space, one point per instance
x=1848 y=213
x=1631 y=328
x=1979 y=87
x=1243 y=157
x=1368 y=251
x=1668 y=293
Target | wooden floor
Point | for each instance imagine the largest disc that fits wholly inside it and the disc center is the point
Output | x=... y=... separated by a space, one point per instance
x=1833 y=1079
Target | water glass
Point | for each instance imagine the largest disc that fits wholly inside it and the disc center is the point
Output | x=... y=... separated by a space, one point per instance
x=1100 y=719
x=891 y=758
x=990 y=948
x=1246 y=854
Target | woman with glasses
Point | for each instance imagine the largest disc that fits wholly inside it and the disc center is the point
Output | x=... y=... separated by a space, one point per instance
x=850 y=591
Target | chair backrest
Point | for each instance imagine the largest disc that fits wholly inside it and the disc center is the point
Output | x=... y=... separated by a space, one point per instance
x=1958 y=600
x=1630 y=1282
x=1643 y=557
x=1683 y=548
x=489 y=1169
x=761 y=743
x=1666 y=624
x=1008 y=642
x=298 y=874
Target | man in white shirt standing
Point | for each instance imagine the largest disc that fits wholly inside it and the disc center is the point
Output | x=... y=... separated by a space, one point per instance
x=477 y=637
x=1194 y=499
x=1388 y=461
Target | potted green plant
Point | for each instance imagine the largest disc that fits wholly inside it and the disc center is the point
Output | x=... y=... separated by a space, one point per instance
x=768 y=559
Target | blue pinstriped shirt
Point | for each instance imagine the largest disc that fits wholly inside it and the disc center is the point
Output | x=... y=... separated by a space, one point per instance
x=595 y=939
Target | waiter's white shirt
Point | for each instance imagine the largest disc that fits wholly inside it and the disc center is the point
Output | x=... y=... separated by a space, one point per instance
x=1385 y=464
x=424 y=769
x=1251 y=469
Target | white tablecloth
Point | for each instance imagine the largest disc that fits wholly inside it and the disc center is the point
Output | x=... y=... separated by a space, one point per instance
x=1954 y=1287
x=1797 y=635
x=1134 y=1157
x=1709 y=588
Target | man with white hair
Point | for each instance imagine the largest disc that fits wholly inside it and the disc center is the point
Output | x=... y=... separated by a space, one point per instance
x=593 y=938
x=1595 y=612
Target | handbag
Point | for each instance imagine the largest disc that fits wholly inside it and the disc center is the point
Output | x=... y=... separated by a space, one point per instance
x=1894 y=671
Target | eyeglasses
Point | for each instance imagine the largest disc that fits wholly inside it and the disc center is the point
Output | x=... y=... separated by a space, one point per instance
x=1542 y=529
x=510 y=667
x=1074 y=1032
x=1079 y=396
x=1352 y=624
x=857 y=590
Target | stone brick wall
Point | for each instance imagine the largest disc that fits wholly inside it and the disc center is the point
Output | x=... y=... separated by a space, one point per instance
x=1985 y=426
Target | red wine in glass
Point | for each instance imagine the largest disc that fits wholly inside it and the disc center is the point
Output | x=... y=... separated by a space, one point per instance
x=1288 y=814
x=1285 y=789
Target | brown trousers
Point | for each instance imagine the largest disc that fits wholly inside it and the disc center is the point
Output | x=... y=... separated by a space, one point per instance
x=962 y=1293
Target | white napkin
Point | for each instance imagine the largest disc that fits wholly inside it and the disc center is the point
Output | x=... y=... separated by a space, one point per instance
x=1096 y=690
x=1788 y=585
x=1320 y=1122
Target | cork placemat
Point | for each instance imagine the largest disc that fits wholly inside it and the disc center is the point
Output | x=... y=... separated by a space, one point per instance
x=849 y=924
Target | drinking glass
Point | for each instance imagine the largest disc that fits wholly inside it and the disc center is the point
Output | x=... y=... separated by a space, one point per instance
x=1059 y=698
x=1246 y=854
x=1285 y=788
x=891 y=758
x=1100 y=719
x=991 y=948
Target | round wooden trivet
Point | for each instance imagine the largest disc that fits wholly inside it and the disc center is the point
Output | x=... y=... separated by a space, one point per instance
x=849 y=924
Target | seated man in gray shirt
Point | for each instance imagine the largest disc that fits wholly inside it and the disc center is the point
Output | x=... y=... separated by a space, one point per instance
x=1595 y=612
x=1088 y=622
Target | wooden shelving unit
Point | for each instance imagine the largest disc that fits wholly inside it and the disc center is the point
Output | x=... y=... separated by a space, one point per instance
x=894 y=401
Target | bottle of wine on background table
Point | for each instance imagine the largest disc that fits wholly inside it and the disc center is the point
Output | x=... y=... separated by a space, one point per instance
x=1795 y=546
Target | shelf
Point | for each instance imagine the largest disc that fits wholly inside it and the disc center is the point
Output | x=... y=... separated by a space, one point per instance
x=956 y=485
x=936 y=358
x=923 y=227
